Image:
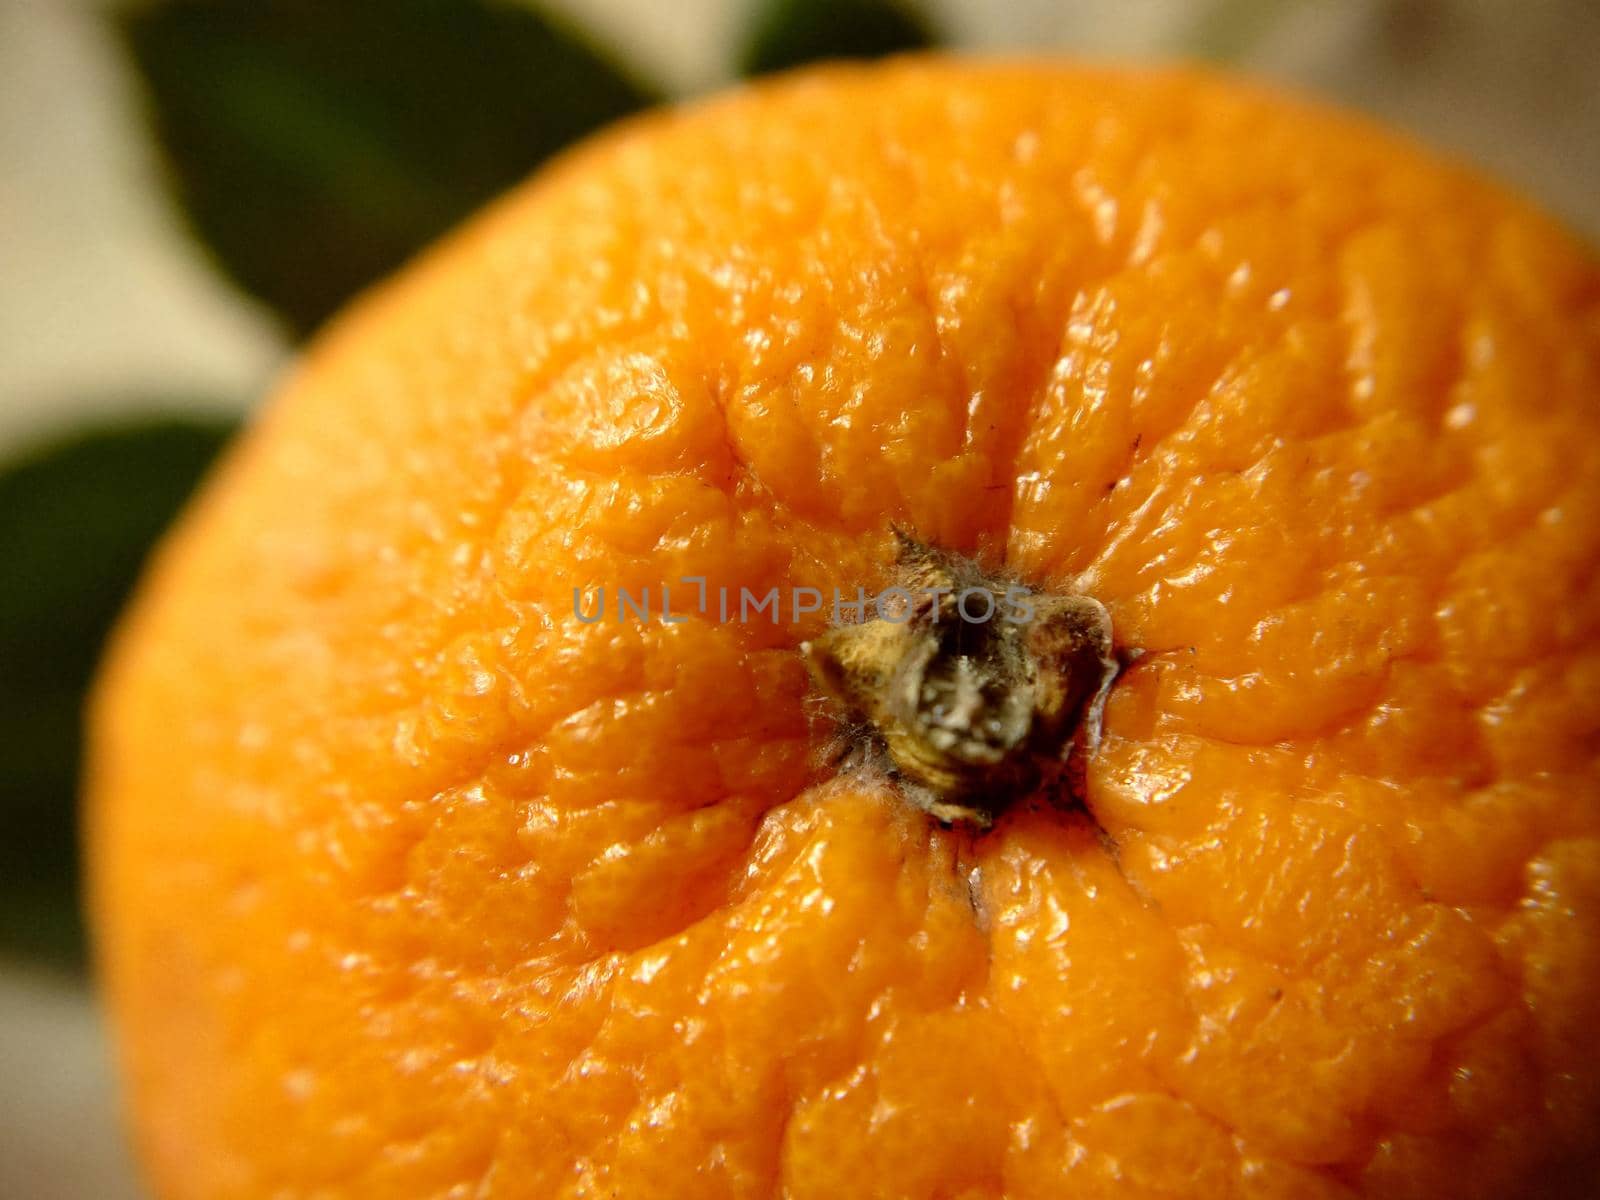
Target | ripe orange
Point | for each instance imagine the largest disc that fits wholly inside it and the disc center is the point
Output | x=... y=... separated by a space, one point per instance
x=409 y=883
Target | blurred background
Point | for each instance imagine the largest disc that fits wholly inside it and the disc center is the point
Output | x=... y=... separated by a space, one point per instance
x=187 y=188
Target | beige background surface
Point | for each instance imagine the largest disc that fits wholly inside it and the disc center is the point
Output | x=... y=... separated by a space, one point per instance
x=105 y=303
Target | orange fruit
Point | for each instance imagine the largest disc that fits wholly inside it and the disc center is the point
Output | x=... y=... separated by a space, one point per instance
x=410 y=883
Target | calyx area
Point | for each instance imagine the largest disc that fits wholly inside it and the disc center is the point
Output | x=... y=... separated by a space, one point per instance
x=969 y=713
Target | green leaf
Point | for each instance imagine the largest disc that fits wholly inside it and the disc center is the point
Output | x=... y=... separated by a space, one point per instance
x=787 y=33
x=77 y=518
x=317 y=144
x=1226 y=30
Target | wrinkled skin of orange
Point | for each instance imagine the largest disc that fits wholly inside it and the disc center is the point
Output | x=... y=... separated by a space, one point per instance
x=410 y=884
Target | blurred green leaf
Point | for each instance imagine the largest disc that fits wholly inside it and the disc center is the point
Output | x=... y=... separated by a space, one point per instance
x=77 y=519
x=787 y=33
x=1226 y=30
x=317 y=144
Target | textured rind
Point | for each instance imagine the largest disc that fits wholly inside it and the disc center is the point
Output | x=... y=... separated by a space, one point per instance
x=408 y=883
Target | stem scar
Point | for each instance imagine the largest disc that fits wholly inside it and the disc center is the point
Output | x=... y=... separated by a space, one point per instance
x=970 y=715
